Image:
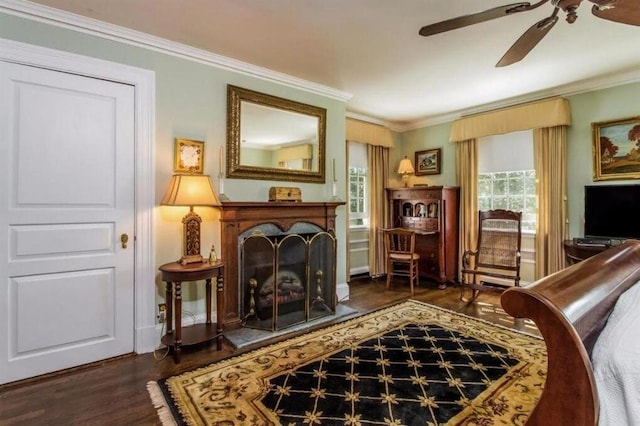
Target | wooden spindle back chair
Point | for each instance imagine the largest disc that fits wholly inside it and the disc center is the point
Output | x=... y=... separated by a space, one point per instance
x=402 y=260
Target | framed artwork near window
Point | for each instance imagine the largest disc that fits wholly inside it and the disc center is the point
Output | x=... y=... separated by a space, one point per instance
x=616 y=149
x=189 y=156
x=428 y=162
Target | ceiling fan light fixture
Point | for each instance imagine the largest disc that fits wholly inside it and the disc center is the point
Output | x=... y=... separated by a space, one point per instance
x=572 y=14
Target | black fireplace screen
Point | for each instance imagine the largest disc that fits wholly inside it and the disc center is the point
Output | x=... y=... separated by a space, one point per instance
x=287 y=279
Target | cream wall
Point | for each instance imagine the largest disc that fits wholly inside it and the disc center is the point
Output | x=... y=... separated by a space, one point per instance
x=436 y=136
x=191 y=103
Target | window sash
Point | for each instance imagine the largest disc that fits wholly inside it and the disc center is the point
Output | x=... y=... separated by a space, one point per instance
x=514 y=190
x=358 y=215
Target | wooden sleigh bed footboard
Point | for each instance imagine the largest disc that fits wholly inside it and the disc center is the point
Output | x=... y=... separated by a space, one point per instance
x=570 y=308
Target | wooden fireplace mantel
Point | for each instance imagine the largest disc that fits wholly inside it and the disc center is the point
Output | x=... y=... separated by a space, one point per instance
x=239 y=216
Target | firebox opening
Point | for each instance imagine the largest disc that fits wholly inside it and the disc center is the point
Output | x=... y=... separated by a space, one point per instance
x=287 y=279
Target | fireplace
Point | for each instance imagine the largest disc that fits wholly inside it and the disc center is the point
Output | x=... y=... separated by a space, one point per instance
x=281 y=246
x=286 y=278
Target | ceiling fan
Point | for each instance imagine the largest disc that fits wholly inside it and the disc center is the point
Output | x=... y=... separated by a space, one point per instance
x=623 y=11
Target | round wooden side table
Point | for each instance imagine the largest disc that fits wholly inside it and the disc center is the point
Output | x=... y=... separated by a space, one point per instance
x=174 y=274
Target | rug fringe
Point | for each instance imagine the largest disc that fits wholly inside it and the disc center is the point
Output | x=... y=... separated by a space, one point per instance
x=160 y=403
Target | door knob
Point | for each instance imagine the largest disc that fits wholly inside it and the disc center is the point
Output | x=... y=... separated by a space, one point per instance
x=124 y=239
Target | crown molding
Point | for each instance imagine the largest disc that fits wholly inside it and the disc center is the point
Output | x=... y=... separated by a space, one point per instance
x=67 y=20
x=571 y=89
x=362 y=117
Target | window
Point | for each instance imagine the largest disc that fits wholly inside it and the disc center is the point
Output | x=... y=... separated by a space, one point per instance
x=357 y=197
x=510 y=191
x=358 y=200
x=506 y=179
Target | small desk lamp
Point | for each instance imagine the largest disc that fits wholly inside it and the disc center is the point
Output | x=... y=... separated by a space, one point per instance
x=405 y=169
x=191 y=190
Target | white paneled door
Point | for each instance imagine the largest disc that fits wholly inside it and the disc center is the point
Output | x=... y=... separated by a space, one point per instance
x=66 y=204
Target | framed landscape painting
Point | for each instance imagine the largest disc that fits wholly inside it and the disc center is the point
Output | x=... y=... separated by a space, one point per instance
x=616 y=149
x=428 y=162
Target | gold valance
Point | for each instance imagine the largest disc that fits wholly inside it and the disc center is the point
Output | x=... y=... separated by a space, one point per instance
x=535 y=115
x=367 y=133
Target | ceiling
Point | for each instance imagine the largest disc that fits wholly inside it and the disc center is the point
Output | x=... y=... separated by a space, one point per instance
x=371 y=49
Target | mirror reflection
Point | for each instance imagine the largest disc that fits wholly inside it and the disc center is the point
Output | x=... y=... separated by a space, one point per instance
x=270 y=137
x=274 y=138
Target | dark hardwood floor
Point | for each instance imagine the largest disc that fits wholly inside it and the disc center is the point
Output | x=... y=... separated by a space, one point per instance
x=114 y=392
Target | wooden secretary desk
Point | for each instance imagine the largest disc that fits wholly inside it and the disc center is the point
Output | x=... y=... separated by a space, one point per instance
x=433 y=212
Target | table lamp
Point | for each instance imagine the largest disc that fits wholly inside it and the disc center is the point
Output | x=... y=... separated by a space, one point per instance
x=191 y=190
x=405 y=169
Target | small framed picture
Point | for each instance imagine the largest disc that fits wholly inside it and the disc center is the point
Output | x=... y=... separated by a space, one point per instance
x=616 y=149
x=428 y=162
x=189 y=156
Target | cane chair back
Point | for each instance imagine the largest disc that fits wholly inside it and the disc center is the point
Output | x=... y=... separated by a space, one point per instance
x=495 y=263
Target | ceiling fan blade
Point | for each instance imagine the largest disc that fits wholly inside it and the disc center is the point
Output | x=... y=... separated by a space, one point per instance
x=476 y=18
x=623 y=11
x=528 y=40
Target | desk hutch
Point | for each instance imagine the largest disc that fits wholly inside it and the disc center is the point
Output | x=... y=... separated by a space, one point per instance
x=433 y=213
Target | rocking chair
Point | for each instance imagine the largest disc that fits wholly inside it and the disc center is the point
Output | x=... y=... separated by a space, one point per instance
x=495 y=263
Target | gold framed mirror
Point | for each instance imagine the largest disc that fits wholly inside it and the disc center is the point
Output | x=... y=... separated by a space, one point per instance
x=272 y=138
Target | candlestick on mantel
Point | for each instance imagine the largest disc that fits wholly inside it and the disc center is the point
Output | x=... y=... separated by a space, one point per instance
x=334 y=191
x=220 y=161
x=334 y=169
x=221 y=193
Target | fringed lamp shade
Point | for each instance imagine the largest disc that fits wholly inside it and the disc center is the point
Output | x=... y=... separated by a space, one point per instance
x=191 y=190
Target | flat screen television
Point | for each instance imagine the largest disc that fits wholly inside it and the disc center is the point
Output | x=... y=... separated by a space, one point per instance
x=612 y=211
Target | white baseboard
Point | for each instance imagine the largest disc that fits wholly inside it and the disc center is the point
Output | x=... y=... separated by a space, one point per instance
x=342 y=292
x=359 y=270
x=148 y=338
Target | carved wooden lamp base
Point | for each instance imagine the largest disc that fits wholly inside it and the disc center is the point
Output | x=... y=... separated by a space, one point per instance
x=191 y=238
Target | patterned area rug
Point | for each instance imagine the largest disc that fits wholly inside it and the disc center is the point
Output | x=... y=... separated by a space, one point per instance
x=410 y=364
